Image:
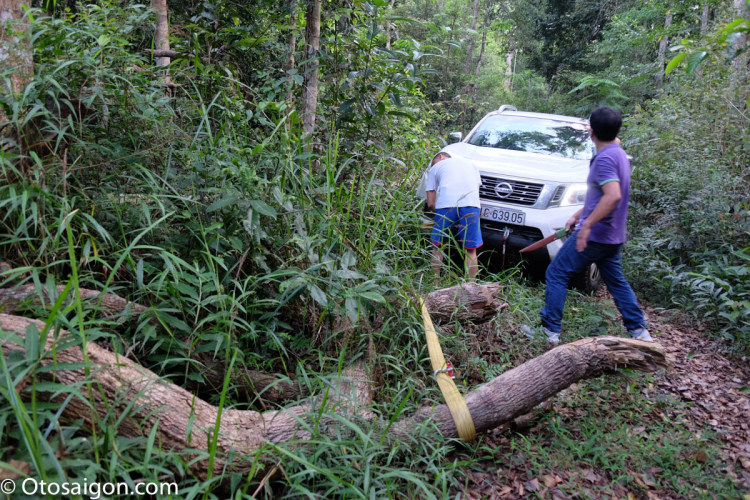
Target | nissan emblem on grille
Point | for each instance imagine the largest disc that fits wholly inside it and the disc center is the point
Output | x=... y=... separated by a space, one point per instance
x=503 y=189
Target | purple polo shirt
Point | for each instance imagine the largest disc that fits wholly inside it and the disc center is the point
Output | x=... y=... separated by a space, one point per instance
x=609 y=165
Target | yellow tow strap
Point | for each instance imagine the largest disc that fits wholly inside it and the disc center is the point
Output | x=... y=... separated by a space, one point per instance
x=456 y=404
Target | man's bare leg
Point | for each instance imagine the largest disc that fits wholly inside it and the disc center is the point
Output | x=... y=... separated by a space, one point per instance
x=471 y=262
x=437 y=259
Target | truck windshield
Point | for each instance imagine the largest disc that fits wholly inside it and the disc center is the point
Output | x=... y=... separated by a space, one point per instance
x=535 y=135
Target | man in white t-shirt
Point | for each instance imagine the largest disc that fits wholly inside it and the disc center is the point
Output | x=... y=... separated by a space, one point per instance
x=453 y=192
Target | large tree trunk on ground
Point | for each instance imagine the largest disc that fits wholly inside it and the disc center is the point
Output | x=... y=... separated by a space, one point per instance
x=310 y=84
x=519 y=390
x=271 y=388
x=111 y=304
x=662 y=52
x=467 y=302
x=161 y=35
x=467 y=66
x=185 y=423
x=118 y=381
x=250 y=383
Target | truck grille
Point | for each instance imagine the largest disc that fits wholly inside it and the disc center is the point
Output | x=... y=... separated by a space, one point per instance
x=525 y=232
x=524 y=193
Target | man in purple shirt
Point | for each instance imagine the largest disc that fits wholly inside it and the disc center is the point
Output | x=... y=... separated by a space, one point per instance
x=601 y=227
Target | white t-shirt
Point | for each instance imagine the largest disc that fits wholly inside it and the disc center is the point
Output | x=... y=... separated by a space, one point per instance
x=457 y=183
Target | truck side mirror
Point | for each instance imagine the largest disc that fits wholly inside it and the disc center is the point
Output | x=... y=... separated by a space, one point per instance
x=455 y=137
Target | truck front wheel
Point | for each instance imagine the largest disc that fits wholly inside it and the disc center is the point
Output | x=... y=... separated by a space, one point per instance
x=588 y=281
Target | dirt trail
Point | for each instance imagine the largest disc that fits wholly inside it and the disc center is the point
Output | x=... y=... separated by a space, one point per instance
x=717 y=387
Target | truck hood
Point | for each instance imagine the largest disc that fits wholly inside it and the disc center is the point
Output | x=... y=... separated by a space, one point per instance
x=520 y=164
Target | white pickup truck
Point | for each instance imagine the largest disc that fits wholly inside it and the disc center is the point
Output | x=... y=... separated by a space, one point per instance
x=534 y=168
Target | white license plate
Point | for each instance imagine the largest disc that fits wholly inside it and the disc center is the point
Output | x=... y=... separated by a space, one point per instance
x=504 y=215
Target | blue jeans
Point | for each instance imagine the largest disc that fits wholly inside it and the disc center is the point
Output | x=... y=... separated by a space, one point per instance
x=568 y=262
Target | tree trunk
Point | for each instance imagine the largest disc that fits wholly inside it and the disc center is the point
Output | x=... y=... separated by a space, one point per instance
x=467 y=66
x=310 y=84
x=291 y=46
x=111 y=304
x=739 y=63
x=184 y=423
x=14 y=51
x=388 y=41
x=508 y=70
x=271 y=388
x=704 y=29
x=663 y=51
x=519 y=390
x=467 y=302
x=446 y=71
x=250 y=383
x=161 y=36
x=484 y=41
x=463 y=117
x=466 y=90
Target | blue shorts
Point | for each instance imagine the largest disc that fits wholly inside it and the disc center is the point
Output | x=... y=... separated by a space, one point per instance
x=465 y=221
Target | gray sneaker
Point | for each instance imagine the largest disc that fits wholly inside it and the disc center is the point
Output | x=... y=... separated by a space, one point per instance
x=641 y=334
x=530 y=332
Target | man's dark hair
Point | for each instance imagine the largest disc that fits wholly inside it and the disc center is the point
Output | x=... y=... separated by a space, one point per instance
x=605 y=123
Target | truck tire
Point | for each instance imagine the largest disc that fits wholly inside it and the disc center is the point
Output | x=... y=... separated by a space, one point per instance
x=588 y=281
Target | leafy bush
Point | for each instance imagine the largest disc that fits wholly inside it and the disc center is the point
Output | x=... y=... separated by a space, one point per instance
x=689 y=207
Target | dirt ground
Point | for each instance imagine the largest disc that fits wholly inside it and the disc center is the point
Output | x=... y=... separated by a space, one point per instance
x=711 y=391
x=717 y=387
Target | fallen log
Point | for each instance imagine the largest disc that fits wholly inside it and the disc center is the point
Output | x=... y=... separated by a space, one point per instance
x=271 y=388
x=111 y=304
x=242 y=433
x=518 y=391
x=466 y=302
x=118 y=381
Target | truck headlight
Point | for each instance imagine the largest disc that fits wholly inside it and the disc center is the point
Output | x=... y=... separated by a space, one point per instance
x=575 y=194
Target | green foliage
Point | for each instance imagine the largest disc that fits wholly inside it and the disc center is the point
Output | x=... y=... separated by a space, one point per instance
x=722 y=44
x=599 y=92
x=689 y=213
